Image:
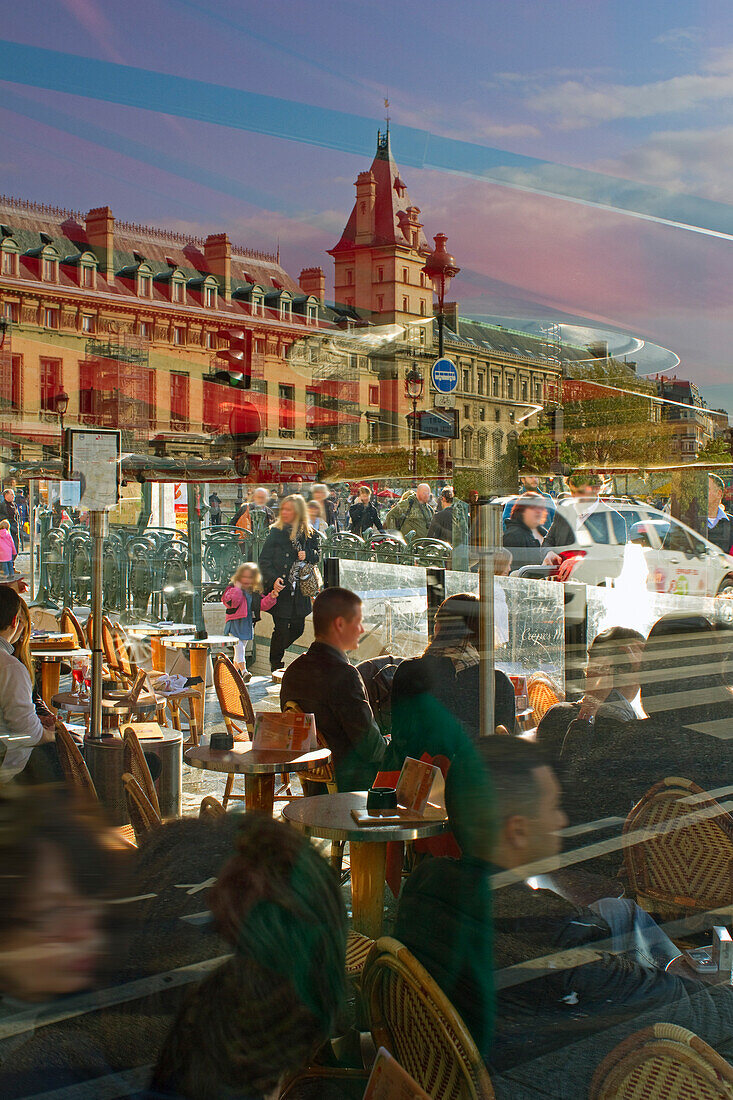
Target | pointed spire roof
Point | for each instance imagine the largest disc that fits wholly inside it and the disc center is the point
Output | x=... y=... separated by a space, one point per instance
x=391 y=219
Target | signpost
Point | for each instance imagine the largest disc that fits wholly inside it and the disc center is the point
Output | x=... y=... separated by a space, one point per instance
x=434 y=423
x=444 y=374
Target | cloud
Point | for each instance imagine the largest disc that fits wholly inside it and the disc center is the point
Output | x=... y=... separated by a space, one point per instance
x=679 y=38
x=576 y=104
x=691 y=161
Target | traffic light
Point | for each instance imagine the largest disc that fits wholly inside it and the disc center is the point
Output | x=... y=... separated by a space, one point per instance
x=236 y=370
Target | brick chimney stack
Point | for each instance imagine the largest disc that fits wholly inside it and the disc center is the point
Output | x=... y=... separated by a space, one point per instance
x=313 y=281
x=218 y=256
x=366 y=198
x=100 y=226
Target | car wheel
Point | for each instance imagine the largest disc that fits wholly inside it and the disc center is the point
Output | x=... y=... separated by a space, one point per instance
x=726 y=588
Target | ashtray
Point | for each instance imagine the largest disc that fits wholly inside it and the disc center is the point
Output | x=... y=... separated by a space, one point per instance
x=381 y=798
x=221 y=742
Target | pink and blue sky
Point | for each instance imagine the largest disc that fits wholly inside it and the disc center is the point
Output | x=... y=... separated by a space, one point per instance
x=579 y=154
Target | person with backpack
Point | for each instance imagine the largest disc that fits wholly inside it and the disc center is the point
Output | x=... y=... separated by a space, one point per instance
x=411 y=513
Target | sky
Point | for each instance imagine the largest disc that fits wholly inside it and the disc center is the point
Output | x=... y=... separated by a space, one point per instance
x=578 y=154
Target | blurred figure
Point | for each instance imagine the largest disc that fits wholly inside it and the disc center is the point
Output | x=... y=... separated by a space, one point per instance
x=317 y=517
x=504 y=807
x=448 y=672
x=290 y=540
x=8 y=549
x=265 y=1012
x=583 y=508
x=363 y=512
x=9 y=512
x=20 y=726
x=215 y=509
x=719 y=524
x=441 y=525
x=412 y=513
x=320 y=494
x=528 y=483
x=259 y=503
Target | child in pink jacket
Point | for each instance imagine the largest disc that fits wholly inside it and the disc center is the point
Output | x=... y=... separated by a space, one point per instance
x=244 y=602
x=8 y=550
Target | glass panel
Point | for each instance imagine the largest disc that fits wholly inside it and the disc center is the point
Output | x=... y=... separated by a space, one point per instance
x=395 y=606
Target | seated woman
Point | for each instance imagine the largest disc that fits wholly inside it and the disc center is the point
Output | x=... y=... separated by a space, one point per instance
x=524 y=533
x=447 y=673
x=612 y=682
x=262 y=1014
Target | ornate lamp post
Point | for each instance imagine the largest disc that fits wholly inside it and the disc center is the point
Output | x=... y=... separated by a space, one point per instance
x=440 y=267
x=62 y=404
x=414 y=384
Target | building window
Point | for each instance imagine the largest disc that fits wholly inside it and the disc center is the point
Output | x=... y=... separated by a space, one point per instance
x=9 y=263
x=51 y=383
x=11 y=312
x=16 y=382
x=210 y=340
x=497 y=444
x=286 y=310
x=482 y=446
x=50 y=270
x=286 y=410
x=179 y=401
x=423 y=336
x=494 y=385
x=380 y=302
x=144 y=329
x=405 y=305
x=349 y=277
x=374 y=395
x=511 y=417
x=51 y=317
x=467 y=412
x=482 y=413
x=405 y=275
x=466 y=381
x=312 y=313
x=177 y=290
x=87 y=276
x=179 y=335
x=422 y=307
x=380 y=274
x=480 y=383
x=88 y=323
x=144 y=286
x=210 y=297
x=422 y=278
x=466 y=445
x=538 y=393
x=510 y=388
x=497 y=414
x=524 y=391
x=257 y=304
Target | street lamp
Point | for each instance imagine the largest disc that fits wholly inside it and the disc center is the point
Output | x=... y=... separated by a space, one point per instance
x=440 y=267
x=62 y=404
x=414 y=383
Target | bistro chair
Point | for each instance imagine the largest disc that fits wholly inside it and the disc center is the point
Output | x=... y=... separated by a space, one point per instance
x=662 y=1062
x=69 y=624
x=543 y=693
x=411 y=1016
x=678 y=850
x=357 y=953
x=143 y=816
x=78 y=779
x=124 y=664
x=134 y=762
x=236 y=709
x=110 y=654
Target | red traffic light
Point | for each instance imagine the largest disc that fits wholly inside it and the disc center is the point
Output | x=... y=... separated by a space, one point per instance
x=238 y=357
x=244 y=425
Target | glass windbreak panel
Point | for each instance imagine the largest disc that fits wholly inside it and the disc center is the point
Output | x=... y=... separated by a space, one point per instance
x=529 y=623
x=640 y=609
x=395 y=600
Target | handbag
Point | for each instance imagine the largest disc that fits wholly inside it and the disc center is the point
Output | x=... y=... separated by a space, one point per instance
x=308 y=578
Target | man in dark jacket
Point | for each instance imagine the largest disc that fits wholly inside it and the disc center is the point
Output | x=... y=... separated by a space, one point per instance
x=320 y=493
x=720 y=523
x=441 y=525
x=596 y=968
x=363 y=512
x=322 y=682
x=258 y=503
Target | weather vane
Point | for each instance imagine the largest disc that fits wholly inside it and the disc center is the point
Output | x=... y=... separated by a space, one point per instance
x=386 y=107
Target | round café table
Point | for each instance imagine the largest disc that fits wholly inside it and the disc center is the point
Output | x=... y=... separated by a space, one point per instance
x=328 y=817
x=50 y=660
x=156 y=632
x=198 y=655
x=258 y=766
x=113 y=706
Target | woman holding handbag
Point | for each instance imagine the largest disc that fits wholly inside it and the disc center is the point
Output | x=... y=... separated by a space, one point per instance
x=290 y=552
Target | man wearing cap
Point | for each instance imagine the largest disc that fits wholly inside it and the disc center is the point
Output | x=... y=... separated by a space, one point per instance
x=720 y=523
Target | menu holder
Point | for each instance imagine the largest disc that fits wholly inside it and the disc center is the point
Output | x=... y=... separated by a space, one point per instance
x=420 y=787
x=289 y=731
x=53 y=641
x=146 y=731
x=389 y=1081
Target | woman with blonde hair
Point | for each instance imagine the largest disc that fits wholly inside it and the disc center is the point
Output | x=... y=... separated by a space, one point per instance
x=290 y=540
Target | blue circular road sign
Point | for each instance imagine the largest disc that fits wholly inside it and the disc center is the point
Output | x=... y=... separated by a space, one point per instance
x=445 y=375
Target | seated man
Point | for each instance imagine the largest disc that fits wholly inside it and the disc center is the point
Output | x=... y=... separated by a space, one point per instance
x=322 y=682
x=20 y=726
x=505 y=815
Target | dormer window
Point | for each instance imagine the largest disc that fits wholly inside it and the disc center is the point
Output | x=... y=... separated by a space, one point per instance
x=9 y=261
x=258 y=303
x=178 y=291
x=87 y=276
x=144 y=285
x=312 y=313
x=210 y=297
x=50 y=269
x=286 y=309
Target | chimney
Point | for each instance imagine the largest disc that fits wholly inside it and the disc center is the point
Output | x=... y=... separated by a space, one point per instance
x=100 y=226
x=218 y=256
x=313 y=281
x=366 y=192
x=450 y=313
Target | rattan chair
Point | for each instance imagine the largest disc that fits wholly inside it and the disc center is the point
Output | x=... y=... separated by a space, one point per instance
x=543 y=693
x=357 y=953
x=236 y=709
x=678 y=850
x=69 y=624
x=411 y=1016
x=662 y=1062
x=142 y=815
x=110 y=653
x=125 y=666
x=134 y=762
x=76 y=773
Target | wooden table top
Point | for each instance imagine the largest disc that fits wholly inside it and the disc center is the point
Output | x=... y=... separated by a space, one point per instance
x=58 y=654
x=243 y=759
x=189 y=640
x=112 y=706
x=328 y=817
